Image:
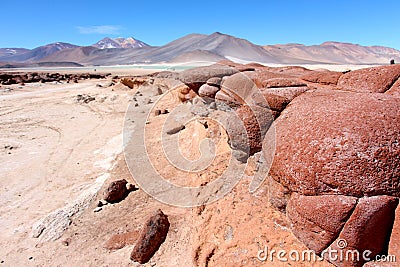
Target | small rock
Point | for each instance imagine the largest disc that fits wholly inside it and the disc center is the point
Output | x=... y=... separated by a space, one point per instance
x=102 y=203
x=164 y=111
x=131 y=187
x=66 y=242
x=157 y=91
x=152 y=236
x=136 y=104
x=157 y=112
x=176 y=129
x=116 y=191
x=83 y=98
x=97 y=209
x=213 y=105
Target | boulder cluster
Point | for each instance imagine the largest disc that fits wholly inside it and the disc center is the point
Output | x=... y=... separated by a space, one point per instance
x=32 y=77
x=332 y=140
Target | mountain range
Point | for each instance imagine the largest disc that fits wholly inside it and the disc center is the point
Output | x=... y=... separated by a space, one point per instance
x=195 y=47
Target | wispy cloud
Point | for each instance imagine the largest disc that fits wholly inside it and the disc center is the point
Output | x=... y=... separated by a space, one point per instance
x=101 y=29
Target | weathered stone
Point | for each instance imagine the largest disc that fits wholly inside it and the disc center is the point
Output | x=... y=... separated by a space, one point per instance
x=214 y=81
x=282 y=82
x=278 y=195
x=134 y=83
x=208 y=91
x=323 y=77
x=116 y=191
x=318 y=220
x=236 y=90
x=196 y=77
x=287 y=92
x=151 y=237
x=222 y=98
x=247 y=127
x=355 y=152
x=367 y=229
x=372 y=80
x=395 y=89
x=270 y=100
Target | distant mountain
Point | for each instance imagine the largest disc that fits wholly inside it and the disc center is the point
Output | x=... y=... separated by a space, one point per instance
x=119 y=43
x=333 y=53
x=193 y=47
x=200 y=47
x=5 y=52
x=26 y=55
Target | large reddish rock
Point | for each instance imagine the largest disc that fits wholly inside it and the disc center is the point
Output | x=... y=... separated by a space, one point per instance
x=323 y=77
x=282 y=82
x=373 y=80
x=287 y=92
x=116 y=191
x=270 y=100
x=367 y=229
x=260 y=76
x=395 y=89
x=238 y=86
x=151 y=237
x=247 y=128
x=318 y=220
x=335 y=142
x=224 y=99
x=196 y=77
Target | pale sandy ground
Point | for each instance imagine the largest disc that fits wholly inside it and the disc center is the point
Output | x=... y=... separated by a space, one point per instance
x=63 y=150
x=60 y=148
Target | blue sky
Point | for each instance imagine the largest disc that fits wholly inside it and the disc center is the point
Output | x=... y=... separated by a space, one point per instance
x=34 y=23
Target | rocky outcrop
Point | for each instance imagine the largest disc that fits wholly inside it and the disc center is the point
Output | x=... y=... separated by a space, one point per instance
x=355 y=152
x=270 y=100
x=287 y=92
x=322 y=77
x=238 y=87
x=373 y=80
x=196 y=77
x=282 y=82
x=246 y=128
x=32 y=77
x=151 y=237
x=134 y=83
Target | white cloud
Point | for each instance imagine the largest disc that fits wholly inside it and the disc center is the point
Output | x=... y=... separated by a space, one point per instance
x=102 y=29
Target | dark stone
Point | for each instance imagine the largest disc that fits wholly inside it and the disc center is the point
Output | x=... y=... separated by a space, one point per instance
x=151 y=237
x=116 y=191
